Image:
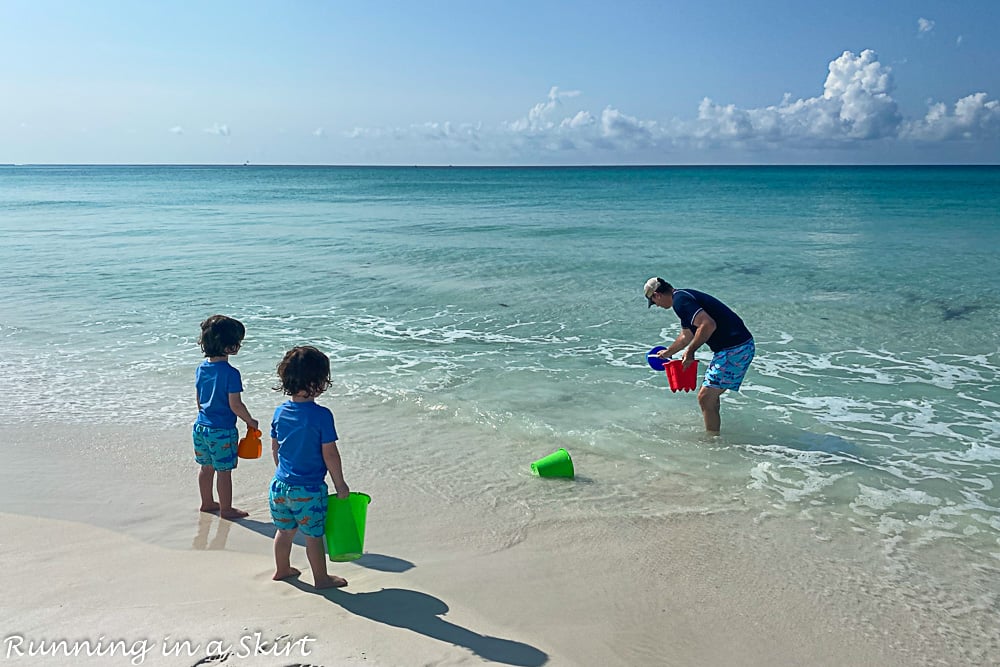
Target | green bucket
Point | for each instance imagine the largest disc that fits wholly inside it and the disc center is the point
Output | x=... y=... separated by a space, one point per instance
x=345 y=526
x=556 y=464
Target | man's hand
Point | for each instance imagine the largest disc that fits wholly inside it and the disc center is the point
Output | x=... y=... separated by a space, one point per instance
x=687 y=359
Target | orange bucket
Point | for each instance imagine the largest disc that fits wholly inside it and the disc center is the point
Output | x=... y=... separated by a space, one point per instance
x=250 y=446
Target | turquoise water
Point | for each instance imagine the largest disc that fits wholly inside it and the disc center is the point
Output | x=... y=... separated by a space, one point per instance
x=504 y=307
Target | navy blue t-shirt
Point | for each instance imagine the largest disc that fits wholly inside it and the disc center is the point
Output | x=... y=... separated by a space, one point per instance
x=729 y=328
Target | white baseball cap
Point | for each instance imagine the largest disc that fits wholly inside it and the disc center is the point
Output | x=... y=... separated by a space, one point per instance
x=652 y=286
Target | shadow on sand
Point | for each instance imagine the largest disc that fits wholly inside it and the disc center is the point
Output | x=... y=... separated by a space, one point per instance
x=421 y=613
x=205 y=523
x=268 y=530
x=370 y=561
x=383 y=563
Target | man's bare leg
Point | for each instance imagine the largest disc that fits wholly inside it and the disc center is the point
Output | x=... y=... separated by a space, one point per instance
x=708 y=399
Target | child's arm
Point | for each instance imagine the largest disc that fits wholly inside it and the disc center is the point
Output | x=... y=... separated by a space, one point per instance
x=274 y=451
x=237 y=406
x=331 y=456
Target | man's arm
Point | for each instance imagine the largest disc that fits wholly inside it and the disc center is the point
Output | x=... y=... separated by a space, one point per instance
x=706 y=327
x=682 y=339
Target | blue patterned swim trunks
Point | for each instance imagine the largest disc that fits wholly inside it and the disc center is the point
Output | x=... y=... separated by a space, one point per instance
x=727 y=368
x=302 y=507
x=215 y=447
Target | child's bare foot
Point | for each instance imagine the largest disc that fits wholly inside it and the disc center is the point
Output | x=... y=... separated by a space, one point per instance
x=290 y=572
x=233 y=513
x=331 y=581
x=209 y=507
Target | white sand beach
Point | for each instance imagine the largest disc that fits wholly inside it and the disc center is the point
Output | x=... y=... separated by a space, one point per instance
x=101 y=542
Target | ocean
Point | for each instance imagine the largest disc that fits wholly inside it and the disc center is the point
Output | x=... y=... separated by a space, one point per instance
x=501 y=311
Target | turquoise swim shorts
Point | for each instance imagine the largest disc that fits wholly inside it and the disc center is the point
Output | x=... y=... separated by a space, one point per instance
x=215 y=447
x=727 y=368
x=302 y=507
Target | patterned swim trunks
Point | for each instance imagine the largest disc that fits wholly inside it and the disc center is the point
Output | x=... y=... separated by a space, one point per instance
x=727 y=368
x=302 y=507
x=215 y=447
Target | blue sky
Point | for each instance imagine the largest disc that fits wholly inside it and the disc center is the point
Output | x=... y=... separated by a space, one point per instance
x=533 y=82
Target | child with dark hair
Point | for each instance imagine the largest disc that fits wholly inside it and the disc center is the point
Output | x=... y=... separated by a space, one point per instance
x=304 y=446
x=219 y=388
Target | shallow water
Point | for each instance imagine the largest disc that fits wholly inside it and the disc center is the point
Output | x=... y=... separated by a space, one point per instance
x=501 y=310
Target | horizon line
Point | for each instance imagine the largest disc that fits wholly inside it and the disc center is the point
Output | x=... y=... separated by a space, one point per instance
x=493 y=166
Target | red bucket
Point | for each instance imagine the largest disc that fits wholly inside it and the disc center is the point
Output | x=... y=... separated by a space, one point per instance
x=680 y=379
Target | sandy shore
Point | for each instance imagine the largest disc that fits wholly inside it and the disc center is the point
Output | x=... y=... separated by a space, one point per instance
x=101 y=542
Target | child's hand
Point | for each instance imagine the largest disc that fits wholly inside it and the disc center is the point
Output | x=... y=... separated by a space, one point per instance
x=343 y=491
x=253 y=423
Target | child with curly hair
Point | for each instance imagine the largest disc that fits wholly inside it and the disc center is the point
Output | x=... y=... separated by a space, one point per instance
x=304 y=446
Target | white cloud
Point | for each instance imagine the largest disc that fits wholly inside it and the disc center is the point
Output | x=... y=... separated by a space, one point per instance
x=616 y=125
x=218 y=129
x=862 y=87
x=581 y=119
x=435 y=130
x=364 y=133
x=855 y=108
x=856 y=105
x=176 y=129
x=467 y=133
x=972 y=117
x=958 y=41
x=722 y=122
x=319 y=132
x=537 y=119
x=924 y=26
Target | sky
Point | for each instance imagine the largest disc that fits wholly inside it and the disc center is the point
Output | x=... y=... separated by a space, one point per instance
x=511 y=82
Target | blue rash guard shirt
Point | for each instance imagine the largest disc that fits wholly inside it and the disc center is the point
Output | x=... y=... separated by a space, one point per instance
x=215 y=381
x=729 y=328
x=301 y=429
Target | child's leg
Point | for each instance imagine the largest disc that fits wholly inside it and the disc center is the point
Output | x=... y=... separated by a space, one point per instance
x=283 y=554
x=316 y=553
x=224 y=483
x=205 y=479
